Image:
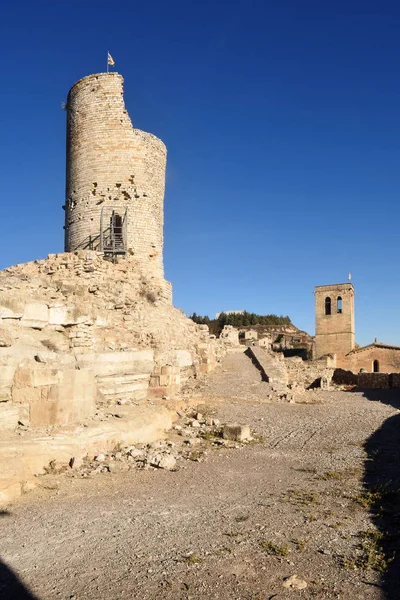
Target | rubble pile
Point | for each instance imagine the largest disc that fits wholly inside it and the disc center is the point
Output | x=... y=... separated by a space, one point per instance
x=191 y=438
x=96 y=304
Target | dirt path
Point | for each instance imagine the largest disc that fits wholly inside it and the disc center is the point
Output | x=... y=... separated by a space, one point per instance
x=232 y=527
x=237 y=378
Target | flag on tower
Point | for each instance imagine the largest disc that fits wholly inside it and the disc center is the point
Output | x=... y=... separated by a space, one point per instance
x=110 y=60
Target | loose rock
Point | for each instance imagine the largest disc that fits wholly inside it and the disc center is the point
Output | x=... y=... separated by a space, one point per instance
x=295 y=583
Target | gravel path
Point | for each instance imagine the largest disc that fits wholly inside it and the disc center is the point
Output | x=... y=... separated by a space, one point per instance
x=232 y=527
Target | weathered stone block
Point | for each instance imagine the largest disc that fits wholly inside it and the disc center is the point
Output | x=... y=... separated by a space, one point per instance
x=6 y=313
x=9 y=416
x=71 y=400
x=165 y=390
x=5 y=338
x=23 y=377
x=43 y=414
x=7 y=373
x=235 y=432
x=35 y=315
x=183 y=358
x=26 y=395
x=155 y=381
x=44 y=376
x=62 y=315
x=113 y=363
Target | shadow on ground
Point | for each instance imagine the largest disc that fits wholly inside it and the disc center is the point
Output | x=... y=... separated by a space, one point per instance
x=11 y=587
x=382 y=488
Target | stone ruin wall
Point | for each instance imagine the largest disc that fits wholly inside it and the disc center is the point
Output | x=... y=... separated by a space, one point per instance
x=76 y=329
x=111 y=164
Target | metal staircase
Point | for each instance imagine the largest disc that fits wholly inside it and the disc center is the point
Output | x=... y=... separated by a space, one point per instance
x=113 y=230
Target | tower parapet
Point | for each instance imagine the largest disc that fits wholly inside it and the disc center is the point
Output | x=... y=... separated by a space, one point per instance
x=115 y=179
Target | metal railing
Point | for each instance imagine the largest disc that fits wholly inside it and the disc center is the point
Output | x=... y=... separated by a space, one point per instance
x=113 y=230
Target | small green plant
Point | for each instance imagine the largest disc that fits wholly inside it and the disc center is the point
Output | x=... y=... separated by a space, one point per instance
x=336 y=525
x=311 y=470
x=369 y=553
x=339 y=475
x=273 y=549
x=147 y=292
x=300 y=544
x=233 y=534
x=210 y=436
x=377 y=498
x=310 y=518
x=330 y=475
x=151 y=296
x=359 y=444
x=301 y=497
x=195 y=455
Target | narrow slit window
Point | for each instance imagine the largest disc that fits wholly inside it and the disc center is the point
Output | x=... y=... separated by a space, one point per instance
x=339 y=304
x=376 y=366
x=328 y=306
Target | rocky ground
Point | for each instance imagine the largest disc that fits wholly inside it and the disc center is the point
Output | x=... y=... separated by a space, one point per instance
x=307 y=509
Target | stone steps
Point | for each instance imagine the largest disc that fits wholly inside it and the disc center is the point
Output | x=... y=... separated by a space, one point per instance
x=271 y=366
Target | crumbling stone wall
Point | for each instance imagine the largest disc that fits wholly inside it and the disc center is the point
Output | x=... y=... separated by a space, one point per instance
x=230 y=336
x=307 y=374
x=77 y=311
x=109 y=163
x=344 y=377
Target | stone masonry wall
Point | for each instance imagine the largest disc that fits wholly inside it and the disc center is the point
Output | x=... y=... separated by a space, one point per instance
x=334 y=333
x=111 y=164
x=388 y=358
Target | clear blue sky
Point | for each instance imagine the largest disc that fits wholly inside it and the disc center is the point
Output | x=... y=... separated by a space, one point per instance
x=282 y=122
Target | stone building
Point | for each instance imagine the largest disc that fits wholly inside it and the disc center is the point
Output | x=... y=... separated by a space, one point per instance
x=374 y=358
x=334 y=319
x=115 y=176
x=335 y=334
x=251 y=334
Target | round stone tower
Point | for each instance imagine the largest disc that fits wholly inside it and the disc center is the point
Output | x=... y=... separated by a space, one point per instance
x=115 y=176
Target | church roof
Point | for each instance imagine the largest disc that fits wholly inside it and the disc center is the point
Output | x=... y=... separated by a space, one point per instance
x=375 y=345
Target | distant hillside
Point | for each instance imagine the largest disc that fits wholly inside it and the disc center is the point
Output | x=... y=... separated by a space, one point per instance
x=244 y=320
